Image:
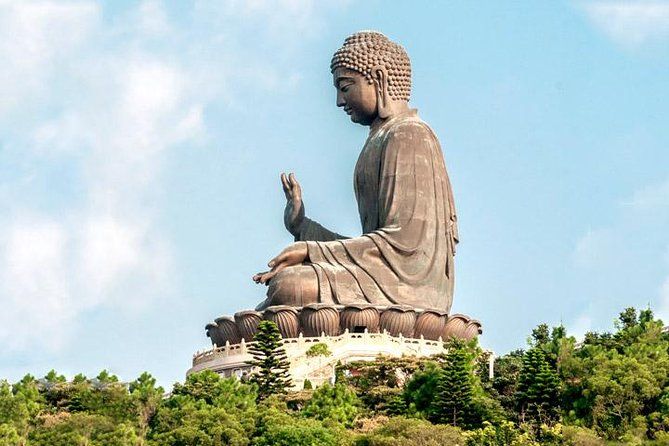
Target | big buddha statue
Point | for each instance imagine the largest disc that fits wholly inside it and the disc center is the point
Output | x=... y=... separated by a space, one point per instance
x=405 y=255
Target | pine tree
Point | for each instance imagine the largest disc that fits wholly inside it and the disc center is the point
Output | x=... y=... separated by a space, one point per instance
x=538 y=389
x=454 y=394
x=269 y=356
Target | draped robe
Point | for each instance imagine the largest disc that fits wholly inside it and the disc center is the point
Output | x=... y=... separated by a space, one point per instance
x=406 y=252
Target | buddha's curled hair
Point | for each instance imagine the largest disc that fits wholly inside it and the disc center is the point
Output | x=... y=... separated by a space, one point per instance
x=364 y=50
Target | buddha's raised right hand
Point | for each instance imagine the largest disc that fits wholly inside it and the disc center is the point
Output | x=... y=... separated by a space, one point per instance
x=293 y=214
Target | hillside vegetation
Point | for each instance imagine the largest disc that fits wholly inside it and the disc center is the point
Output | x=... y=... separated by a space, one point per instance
x=611 y=389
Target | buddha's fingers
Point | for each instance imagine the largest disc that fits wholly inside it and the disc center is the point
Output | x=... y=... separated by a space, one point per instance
x=278 y=260
x=269 y=275
x=296 y=188
x=286 y=186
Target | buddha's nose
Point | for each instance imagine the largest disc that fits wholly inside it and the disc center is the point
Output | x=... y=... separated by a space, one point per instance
x=340 y=100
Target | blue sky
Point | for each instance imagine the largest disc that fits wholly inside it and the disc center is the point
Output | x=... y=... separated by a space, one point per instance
x=141 y=144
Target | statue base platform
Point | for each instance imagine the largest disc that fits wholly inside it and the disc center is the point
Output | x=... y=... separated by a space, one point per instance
x=231 y=360
x=358 y=332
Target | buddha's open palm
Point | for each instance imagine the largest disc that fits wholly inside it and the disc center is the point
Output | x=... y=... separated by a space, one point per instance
x=295 y=254
x=293 y=214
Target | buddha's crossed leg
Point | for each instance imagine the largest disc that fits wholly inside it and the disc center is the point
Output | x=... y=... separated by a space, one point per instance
x=295 y=286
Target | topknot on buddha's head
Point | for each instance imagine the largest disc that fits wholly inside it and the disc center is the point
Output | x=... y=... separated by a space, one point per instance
x=365 y=50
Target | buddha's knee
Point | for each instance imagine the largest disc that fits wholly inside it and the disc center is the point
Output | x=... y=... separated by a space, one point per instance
x=294 y=286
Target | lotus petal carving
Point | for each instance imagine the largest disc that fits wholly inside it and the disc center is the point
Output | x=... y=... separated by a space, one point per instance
x=430 y=324
x=319 y=318
x=455 y=326
x=247 y=323
x=472 y=330
x=286 y=318
x=358 y=317
x=398 y=319
x=227 y=330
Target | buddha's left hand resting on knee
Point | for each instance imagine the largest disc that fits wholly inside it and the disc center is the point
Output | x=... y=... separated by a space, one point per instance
x=293 y=255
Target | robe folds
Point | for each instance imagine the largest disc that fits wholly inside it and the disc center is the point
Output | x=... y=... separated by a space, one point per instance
x=406 y=252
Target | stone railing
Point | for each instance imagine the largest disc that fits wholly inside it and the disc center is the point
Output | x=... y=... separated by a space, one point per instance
x=367 y=343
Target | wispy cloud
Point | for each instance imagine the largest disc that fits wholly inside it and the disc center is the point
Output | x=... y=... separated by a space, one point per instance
x=653 y=198
x=594 y=246
x=91 y=108
x=630 y=23
x=610 y=255
x=102 y=246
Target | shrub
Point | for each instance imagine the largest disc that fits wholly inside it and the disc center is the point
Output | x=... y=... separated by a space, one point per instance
x=402 y=431
x=505 y=434
x=581 y=436
x=337 y=403
x=319 y=349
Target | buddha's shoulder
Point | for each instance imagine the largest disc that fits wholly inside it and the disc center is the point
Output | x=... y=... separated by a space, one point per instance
x=409 y=126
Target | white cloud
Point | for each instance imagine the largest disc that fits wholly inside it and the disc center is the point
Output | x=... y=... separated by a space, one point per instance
x=630 y=23
x=32 y=36
x=125 y=108
x=106 y=101
x=35 y=296
x=152 y=18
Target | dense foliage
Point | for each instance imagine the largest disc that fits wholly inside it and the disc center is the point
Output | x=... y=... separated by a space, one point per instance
x=611 y=389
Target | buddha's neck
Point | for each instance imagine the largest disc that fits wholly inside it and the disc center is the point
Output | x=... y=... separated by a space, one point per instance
x=394 y=109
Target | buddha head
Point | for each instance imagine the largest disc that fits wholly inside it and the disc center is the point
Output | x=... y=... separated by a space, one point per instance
x=372 y=76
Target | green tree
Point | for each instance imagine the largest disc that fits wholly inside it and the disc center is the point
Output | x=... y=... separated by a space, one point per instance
x=614 y=383
x=379 y=383
x=105 y=395
x=205 y=410
x=14 y=416
x=269 y=357
x=453 y=402
x=210 y=388
x=82 y=429
x=9 y=436
x=184 y=422
x=538 y=395
x=20 y=406
x=53 y=378
x=504 y=385
x=420 y=390
x=146 y=398
x=276 y=426
x=540 y=335
x=620 y=387
x=337 y=403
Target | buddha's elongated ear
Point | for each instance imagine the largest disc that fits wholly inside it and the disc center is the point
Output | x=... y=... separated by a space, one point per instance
x=380 y=78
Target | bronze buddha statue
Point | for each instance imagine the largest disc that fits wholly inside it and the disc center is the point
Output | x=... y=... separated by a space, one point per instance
x=405 y=255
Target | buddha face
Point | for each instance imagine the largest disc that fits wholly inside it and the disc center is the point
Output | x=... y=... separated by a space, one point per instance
x=356 y=95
